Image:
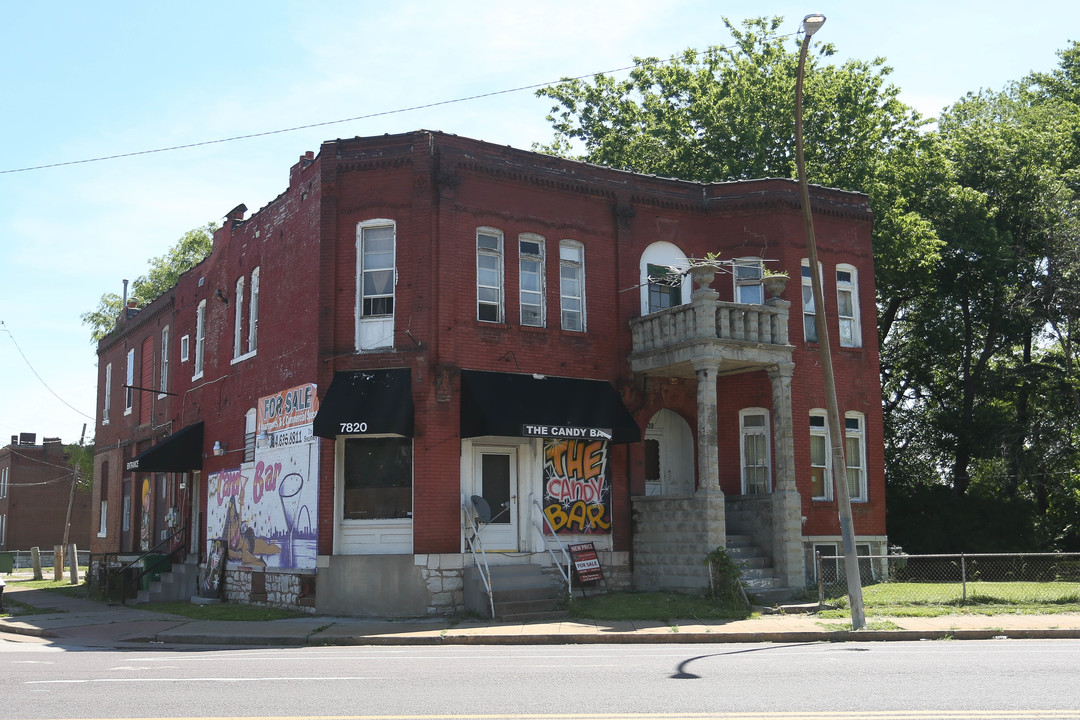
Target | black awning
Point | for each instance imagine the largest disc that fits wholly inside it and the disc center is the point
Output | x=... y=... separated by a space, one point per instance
x=367 y=402
x=180 y=452
x=512 y=405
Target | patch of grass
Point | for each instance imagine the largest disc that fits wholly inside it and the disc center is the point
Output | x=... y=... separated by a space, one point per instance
x=234 y=612
x=870 y=625
x=14 y=607
x=660 y=606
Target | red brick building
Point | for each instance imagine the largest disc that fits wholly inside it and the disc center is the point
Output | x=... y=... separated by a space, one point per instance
x=425 y=328
x=35 y=489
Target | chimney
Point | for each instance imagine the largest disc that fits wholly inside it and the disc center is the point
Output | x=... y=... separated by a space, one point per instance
x=27 y=438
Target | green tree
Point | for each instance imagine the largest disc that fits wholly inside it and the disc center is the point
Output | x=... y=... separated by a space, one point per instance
x=163 y=273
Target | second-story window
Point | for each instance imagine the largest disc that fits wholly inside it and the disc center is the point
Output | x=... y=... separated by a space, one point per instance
x=376 y=279
x=809 y=315
x=531 y=279
x=489 y=275
x=665 y=287
x=238 y=319
x=108 y=395
x=163 y=380
x=253 y=313
x=572 y=285
x=200 y=339
x=748 y=272
x=129 y=380
x=847 y=306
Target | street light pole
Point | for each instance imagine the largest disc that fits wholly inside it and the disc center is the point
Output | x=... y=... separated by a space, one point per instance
x=811 y=24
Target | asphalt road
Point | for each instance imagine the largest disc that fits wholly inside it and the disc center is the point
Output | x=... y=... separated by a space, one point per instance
x=971 y=679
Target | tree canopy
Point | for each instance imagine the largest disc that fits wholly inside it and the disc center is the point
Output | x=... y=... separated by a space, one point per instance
x=163 y=273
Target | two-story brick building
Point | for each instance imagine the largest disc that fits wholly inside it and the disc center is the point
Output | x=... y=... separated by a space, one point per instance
x=425 y=328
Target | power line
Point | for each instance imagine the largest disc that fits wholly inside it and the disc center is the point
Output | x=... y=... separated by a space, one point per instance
x=383 y=113
x=12 y=336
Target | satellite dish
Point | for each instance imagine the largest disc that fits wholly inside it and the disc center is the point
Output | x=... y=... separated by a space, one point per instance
x=482 y=509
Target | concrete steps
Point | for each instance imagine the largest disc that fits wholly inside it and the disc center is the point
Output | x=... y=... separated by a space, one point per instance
x=175 y=585
x=758 y=576
x=521 y=593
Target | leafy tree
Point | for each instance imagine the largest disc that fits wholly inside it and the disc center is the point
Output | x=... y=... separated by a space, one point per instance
x=163 y=273
x=81 y=459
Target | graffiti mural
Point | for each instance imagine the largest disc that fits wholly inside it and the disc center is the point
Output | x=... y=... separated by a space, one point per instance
x=577 y=488
x=266 y=511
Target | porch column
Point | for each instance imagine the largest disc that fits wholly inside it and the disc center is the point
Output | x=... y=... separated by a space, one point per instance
x=708 y=462
x=787 y=548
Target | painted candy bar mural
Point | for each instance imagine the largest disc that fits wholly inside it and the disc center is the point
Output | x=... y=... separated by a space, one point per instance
x=577 y=489
x=266 y=510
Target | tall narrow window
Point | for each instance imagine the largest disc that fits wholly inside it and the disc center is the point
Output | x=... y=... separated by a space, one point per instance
x=754 y=428
x=238 y=318
x=665 y=287
x=847 y=306
x=163 y=375
x=572 y=284
x=249 y=435
x=200 y=339
x=855 y=455
x=489 y=275
x=253 y=313
x=108 y=395
x=531 y=278
x=820 y=486
x=809 y=318
x=129 y=380
x=376 y=280
x=748 y=272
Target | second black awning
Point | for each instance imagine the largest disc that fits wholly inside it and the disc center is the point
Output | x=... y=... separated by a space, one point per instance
x=180 y=452
x=505 y=404
x=367 y=402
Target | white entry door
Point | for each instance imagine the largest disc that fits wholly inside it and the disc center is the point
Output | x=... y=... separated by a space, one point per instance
x=495 y=480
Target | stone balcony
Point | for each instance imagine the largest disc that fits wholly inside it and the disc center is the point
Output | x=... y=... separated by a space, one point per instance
x=736 y=337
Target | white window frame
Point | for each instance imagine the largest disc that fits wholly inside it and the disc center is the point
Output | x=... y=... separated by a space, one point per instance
x=375 y=330
x=819 y=428
x=849 y=325
x=756 y=431
x=163 y=375
x=250 y=419
x=567 y=298
x=809 y=315
x=129 y=375
x=3 y=482
x=253 y=314
x=862 y=552
x=536 y=298
x=107 y=409
x=200 y=340
x=238 y=318
x=489 y=290
x=185 y=348
x=103 y=522
x=747 y=276
x=855 y=445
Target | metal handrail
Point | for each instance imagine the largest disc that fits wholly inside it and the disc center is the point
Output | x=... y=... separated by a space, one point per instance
x=566 y=574
x=473 y=542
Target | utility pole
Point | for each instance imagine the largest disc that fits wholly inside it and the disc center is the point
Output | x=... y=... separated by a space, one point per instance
x=811 y=24
x=75 y=477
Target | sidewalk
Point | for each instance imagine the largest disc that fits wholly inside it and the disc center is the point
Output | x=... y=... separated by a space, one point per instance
x=87 y=622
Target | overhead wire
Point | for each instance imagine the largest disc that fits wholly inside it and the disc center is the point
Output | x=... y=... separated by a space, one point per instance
x=11 y=335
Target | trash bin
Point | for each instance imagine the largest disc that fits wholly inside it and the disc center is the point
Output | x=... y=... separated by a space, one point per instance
x=7 y=562
x=153 y=566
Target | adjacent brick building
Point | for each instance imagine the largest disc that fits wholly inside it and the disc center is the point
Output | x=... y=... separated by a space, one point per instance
x=35 y=489
x=425 y=328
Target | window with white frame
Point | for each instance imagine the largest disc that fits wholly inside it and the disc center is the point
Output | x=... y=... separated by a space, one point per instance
x=832 y=569
x=253 y=313
x=855 y=455
x=129 y=380
x=108 y=395
x=238 y=318
x=847 y=305
x=376 y=281
x=200 y=339
x=3 y=482
x=163 y=374
x=3 y=529
x=820 y=486
x=249 y=435
x=185 y=348
x=754 y=451
x=747 y=273
x=531 y=279
x=810 y=333
x=572 y=285
x=489 y=275
x=104 y=520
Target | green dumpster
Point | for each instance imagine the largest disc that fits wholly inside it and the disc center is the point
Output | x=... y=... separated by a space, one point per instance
x=153 y=565
x=7 y=562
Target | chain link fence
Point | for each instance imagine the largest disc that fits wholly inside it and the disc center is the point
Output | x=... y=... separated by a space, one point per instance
x=978 y=579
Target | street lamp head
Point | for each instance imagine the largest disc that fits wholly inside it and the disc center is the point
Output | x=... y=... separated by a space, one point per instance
x=812 y=23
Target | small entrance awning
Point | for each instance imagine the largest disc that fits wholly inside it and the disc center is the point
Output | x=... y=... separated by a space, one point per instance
x=367 y=402
x=506 y=404
x=180 y=452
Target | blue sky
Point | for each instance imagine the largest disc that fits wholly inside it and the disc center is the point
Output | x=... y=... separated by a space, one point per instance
x=85 y=80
